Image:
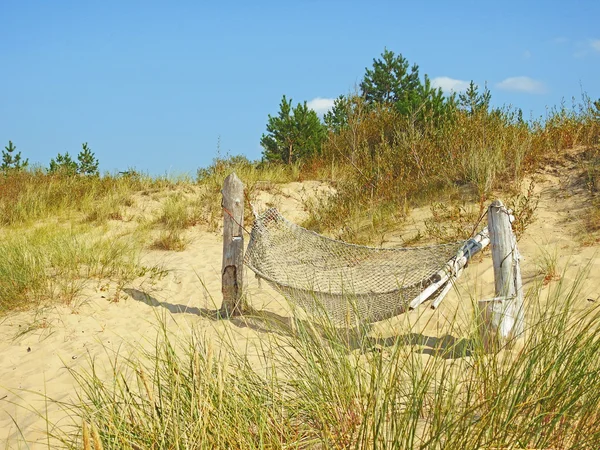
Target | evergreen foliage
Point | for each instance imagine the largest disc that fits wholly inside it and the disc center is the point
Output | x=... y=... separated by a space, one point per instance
x=391 y=81
x=63 y=165
x=472 y=101
x=12 y=160
x=596 y=109
x=394 y=82
x=294 y=134
x=336 y=118
x=88 y=163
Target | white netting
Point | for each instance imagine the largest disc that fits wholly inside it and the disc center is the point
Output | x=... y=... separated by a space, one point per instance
x=342 y=280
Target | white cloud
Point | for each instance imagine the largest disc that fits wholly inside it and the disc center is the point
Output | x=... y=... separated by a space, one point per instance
x=526 y=54
x=560 y=40
x=321 y=105
x=449 y=84
x=522 y=84
x=584 y=48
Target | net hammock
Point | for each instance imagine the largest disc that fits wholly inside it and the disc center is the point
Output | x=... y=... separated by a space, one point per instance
x=345 y=281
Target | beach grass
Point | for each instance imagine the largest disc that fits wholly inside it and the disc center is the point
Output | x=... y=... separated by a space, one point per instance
x=53 y=263
x=316 y=386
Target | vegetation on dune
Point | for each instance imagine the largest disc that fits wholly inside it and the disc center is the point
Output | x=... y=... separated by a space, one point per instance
x=32 y=195
x=396 y=143
x=255 y=175
x=318 y=386
x=293 y=134
x=54 y=263
x=12 y=160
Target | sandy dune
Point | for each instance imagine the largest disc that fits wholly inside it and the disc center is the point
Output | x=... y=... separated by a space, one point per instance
x=38 y=349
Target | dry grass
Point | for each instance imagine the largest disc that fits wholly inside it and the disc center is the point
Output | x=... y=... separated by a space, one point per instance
x=321 y=387
x=26 y=197
x=317 y=386
x=54 y=263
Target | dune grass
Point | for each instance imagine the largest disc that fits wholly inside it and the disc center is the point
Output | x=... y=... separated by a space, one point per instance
x=30 y=196
x=313 y=387
x=386 y=164
x=255 y=176
x=177 y=213
x=54 y=263
x=590 y=163
x=310 y=385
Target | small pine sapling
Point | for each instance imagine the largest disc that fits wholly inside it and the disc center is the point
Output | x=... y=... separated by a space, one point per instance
x=63 y=165
x=12 y=160
x=88 y=163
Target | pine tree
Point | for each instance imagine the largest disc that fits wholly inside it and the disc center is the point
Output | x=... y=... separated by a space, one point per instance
x=596 y=109
x=63 y=165
x=293 y=134
x=472 y=101
x=12 y=160
x=392 y=81
x=88 y=163
x=336 y=118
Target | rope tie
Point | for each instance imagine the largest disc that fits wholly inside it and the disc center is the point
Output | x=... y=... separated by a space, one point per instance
x=233 y=218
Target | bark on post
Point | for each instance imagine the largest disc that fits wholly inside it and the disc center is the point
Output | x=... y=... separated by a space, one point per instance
x=502 y=318
x=233 y=246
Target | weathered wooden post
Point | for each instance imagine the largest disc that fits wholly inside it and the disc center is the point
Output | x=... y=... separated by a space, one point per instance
x=233 y=246
x=502 y=317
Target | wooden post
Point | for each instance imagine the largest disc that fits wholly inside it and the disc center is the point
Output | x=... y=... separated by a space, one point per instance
x=233 y=246
x=502 y=318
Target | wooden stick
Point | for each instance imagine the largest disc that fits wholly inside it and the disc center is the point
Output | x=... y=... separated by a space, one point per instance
x=474 y=245
x=446 y=289
x=502 y=317
x=232 y=275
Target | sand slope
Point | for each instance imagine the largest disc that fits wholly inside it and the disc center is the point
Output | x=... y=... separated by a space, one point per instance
x=38 y=349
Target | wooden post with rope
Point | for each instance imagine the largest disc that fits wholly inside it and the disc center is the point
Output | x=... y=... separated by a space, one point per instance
x=502 y=317
x=232 y=280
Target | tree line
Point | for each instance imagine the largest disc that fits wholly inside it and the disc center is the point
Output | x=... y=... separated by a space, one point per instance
x=85 y=164
x=392 y=84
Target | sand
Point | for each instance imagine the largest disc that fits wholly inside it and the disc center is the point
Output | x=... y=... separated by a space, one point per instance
x=39 y=349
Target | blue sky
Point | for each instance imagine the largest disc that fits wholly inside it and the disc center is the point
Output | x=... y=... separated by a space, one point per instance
x=156 y=85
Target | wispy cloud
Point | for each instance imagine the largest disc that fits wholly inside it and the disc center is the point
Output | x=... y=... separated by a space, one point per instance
x=526 y=54
x=522 y=84
x=449 y=84
x=560 y=40
x=584 y=48
x=321 y=105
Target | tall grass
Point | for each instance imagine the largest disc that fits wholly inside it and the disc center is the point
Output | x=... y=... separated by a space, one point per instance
x=177 y=213
x=28 y=196
x=255 y=175
x=314 y=387
x=53 y=263
x=387 y=162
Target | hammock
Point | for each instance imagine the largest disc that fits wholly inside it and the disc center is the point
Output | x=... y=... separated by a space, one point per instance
x=350 y=282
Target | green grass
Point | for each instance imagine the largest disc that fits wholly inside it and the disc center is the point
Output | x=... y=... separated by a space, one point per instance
x=314 y=386
x=30 y=196
x=547 y=264
x=53 y=263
